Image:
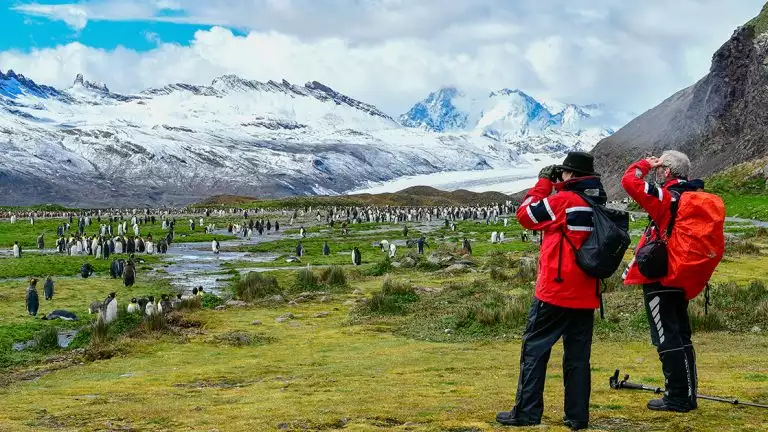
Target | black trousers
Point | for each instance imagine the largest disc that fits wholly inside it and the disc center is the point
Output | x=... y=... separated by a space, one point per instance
x=667 y=311
x=546 y=324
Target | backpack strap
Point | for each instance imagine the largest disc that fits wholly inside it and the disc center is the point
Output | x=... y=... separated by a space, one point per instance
x=673 y=211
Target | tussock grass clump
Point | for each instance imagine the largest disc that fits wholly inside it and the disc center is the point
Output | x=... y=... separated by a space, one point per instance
x=155 y=323
x=493 y=310
x=761 y=232
x=701 y=322
x=334 y=277
x=392 y=299
x=210 y=301
x=99 y=331
x=256 y=286
x=189 y=304
x=381 y=267
x=306 y=280
x=741 y=247
x=498 y=260
x=47 y=339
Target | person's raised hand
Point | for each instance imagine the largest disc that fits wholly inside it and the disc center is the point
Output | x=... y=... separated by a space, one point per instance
x=547 y=172
x=654 y=161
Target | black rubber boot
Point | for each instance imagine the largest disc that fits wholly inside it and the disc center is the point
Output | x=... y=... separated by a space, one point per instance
x=508 y=418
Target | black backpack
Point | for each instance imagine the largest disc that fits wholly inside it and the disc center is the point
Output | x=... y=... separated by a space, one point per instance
x=603 y=251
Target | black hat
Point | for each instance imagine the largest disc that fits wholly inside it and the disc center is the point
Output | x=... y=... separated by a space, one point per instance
x=579 y=162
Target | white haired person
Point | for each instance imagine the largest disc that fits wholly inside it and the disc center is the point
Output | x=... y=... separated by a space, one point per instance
x=674 y=260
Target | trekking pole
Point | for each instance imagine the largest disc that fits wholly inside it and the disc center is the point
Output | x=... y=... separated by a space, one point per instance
x=625 y=384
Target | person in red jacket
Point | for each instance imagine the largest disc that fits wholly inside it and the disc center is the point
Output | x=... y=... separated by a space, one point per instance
x=666 y=307
x=565 y=297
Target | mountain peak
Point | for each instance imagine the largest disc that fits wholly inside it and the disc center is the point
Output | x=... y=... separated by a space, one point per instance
x=437 y=112
x=81 y=81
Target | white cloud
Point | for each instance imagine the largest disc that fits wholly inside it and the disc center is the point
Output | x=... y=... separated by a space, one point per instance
x=393 y=52
x=75 y=16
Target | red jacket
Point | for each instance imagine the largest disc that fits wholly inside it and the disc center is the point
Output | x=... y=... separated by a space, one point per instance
x=654 y=200
x=564 y=213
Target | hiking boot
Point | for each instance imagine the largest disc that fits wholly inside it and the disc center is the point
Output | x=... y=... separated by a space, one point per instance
x=575 y=424
x=662 y=405
x=507 y=418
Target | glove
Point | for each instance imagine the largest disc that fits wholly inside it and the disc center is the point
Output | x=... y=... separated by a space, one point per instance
x=548 y=172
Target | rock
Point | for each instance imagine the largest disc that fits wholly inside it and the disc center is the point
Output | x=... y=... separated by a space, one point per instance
x=220 y=307
x=466 y=262
x=446 y=260
x=756 y=329
x=408 y=262
x=255 y=322
x=320 y=315
x=349 y=303
x=277 y=298
x=357 y=292
x=448 y=331
x=396 y=264
x=236 y=303
x=292 y=303
x=299 y=300
x=325 y=299
x=362 y=300
x=456 y=268
x=433 y=259
x=284 y=317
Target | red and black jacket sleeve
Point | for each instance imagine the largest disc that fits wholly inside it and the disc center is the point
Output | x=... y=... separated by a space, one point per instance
x=653 y=199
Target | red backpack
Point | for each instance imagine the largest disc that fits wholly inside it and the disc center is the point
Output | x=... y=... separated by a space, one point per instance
x=697 y=242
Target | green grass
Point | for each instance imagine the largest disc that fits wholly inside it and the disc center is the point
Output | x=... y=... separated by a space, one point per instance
x=40 y=266
x=72 y=294
x=760 y=22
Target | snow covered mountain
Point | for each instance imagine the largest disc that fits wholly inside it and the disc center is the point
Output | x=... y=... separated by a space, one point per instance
x=514 y=118
x=86 y=145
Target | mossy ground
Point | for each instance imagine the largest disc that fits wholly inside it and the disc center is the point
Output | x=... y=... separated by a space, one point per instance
x=356 y=371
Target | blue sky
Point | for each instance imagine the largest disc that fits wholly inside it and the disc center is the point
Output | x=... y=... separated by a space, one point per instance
x=627 y=54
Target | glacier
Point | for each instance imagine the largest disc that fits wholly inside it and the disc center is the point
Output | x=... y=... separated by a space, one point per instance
x=88 y=146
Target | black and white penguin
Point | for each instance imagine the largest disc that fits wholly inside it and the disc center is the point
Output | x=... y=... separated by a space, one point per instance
x=142 y=302
x=129 y=274
x=215 y=246
x=40 y=242
x=133 y=306
x=86 y=270
x=48 y=288
x=299 y=250
x=356 y=257
x=61 y=314
x=326 y=249
x=164 y=306
x=110 y=308
x=150 y=308
x=467 y=247
x=32 y=299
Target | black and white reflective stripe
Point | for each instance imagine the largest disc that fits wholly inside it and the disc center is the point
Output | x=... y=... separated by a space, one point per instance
x=527 y=201
x=579 y=219
x=652 y=190
x=654 y=305
x=540 y=211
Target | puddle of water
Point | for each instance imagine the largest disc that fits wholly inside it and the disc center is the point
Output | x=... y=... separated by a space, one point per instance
x=65 y=337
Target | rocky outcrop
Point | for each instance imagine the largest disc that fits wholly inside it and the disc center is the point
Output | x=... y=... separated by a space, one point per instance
x=720 y=121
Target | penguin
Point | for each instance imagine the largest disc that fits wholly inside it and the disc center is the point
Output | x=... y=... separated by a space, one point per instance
x=299 y=250
x=142 y=302
x=384 y=245
x=129 y=274
x=16 y=250
x=32 y=300
x=356 y=258
x=61 y=314
x=200 y=291
x=405 y=231
x=215 y=246
x=40 y=242
x=48 y=288
x=467 y=247
x=110 y=308
x=326 y=249
x=494 y=237
x=303 y=232
x=150 y=307
x=133 y=307
x=501 y=237
x=164 y=306
x=176 y=302
x=392 y=250
x=86 y=271
x=420 y=244
x=95 y=307
x=194 y=291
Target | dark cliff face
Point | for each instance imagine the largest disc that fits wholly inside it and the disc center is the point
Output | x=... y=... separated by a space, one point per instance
x=720 y=121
